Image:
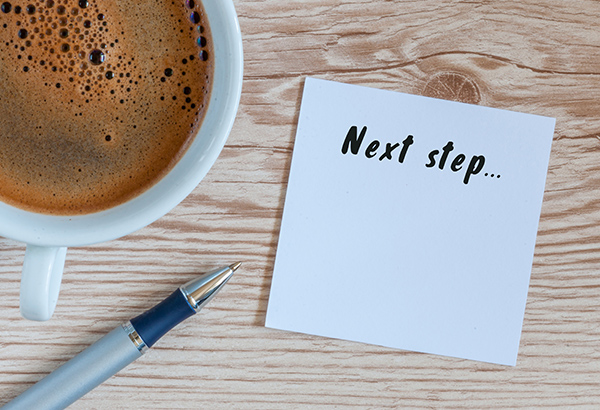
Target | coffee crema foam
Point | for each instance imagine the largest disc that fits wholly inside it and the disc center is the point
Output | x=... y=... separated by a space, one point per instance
x=98 y=99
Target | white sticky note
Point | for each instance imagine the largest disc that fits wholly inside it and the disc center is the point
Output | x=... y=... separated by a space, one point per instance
x=410 y=222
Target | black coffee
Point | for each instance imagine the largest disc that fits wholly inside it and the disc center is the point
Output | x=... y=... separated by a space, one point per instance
x=98 y=99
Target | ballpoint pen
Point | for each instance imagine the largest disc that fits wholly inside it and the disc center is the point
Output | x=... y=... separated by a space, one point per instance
x=121 y=346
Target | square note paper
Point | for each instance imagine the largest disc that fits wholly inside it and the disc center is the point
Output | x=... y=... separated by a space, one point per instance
x=410 y=222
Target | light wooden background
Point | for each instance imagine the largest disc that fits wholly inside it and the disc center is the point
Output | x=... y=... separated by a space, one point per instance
x=535 y=56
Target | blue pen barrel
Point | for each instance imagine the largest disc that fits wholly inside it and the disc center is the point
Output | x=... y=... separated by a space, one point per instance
x=121 y=346
x=154 y=323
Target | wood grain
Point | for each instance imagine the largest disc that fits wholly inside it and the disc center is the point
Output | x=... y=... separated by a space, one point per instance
x=535 y=56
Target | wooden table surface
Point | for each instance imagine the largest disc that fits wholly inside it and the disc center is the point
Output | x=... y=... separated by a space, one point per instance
x=536 y=56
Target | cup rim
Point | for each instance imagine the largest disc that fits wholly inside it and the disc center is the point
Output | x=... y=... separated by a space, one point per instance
x=178 y=183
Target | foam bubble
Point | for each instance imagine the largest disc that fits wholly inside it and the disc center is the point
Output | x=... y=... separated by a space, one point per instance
x=96 y=57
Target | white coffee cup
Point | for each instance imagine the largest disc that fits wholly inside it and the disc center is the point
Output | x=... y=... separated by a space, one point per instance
x=47 y=237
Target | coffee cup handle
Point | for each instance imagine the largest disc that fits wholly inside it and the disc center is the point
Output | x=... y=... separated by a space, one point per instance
x=40 y=281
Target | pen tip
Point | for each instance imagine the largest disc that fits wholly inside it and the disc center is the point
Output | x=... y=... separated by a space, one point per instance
x=234 y=266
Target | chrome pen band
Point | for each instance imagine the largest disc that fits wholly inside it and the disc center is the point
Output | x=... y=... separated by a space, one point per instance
x=195 y=304
x=198 y=292
x=134 y=337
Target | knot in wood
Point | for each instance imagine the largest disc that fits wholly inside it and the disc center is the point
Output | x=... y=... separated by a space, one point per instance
x=454 y=87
